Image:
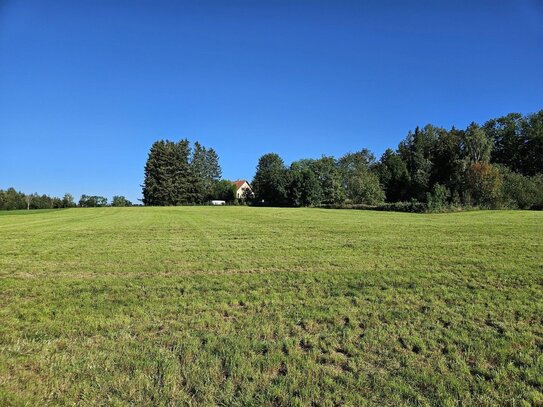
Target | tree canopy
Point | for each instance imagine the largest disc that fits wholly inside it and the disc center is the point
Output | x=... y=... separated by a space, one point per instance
x=495 y=165
x=498 y=164
x=175 y=174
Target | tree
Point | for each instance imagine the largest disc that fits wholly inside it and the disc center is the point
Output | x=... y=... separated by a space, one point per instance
x=304 y=188
x=447 y=159
x=56 y=202
x=437 y=199
x=213 y=170
x=360 y=184
x=224 y=190
x=181 y=182
x=484 y=185
x=247 y=195
x=92 y=201
x=521 y=191
x=68 y=201
x=417 y=153
x=174 y=176
x=327 y=172
x=84 y=201
x=531 y=150
x=364 y=188
x=206 y=170
x=154 y=188
x=119 y=200
x=393 y=176
x=11 y=199
x=28 y=200
x=506 y=135
x=270 y=181
x=169 y=179
x=359 y=161
x=198 y=166
x=476 y=145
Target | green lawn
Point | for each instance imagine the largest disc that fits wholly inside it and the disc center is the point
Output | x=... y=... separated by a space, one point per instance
x=263 y=306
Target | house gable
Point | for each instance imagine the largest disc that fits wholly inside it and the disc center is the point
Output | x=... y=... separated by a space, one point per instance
x=241 y=186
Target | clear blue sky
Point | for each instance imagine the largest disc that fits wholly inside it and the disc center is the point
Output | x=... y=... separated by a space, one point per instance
x=87 y=86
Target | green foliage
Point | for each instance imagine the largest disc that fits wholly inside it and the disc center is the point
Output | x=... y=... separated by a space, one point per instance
x=168 y=176
x=483 y=185
x=532 y=144
x=68 y=201
x=393 y=176
x=437 y=199
x=364 y=188
x=224 y=190
x=476 y=146
x=454 y=159
x=270 y=306
x=412 y=206
x=202 y=185
x=247 y=196
x=329 y=178
x=522 y=192
x=206 y=172
x=213 y=170
x=92 y=201
x=119 y=200
x=11 y=199
x=428 y=165
x=36 y=201
x=506 y=133
x=457 y=160
x=304 y=188
x=174 y=176
x=428 y=156
x=417 y=153
x=518 y=142
x=360 y=184
x=270 y=182
x=448 y=161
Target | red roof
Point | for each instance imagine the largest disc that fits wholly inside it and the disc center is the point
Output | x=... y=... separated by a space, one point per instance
x=239 y=183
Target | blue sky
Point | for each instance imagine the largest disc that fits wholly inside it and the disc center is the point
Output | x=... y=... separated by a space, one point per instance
x=87 y=86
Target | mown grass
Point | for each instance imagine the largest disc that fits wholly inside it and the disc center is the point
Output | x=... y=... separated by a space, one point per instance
x=262 y=306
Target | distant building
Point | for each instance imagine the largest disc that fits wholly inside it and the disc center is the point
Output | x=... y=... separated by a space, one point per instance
x=241 y=187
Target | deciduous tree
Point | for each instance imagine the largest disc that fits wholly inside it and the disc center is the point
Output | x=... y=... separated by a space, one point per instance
x=270 y=181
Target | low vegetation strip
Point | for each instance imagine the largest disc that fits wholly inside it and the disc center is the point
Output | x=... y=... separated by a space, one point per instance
x=270 y=306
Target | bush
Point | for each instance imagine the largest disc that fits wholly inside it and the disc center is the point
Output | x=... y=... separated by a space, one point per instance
x=483 y=185
x=120 y=201
x=522 y=192
x=413 y=206
x=224 y=190
x=437 y=199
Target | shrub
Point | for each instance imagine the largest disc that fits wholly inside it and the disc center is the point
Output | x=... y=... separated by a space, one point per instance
x=437 y=199
x=522 y=192
x=484 y=185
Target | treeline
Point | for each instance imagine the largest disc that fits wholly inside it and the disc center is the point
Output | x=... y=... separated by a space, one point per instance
x=497 y=165
x=11 y=199
x=93 y=201
x=176 y=174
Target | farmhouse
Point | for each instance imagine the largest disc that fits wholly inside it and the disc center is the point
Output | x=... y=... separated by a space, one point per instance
x=241 y=187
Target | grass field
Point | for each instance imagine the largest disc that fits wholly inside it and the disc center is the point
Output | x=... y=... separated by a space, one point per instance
x=262 y=306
